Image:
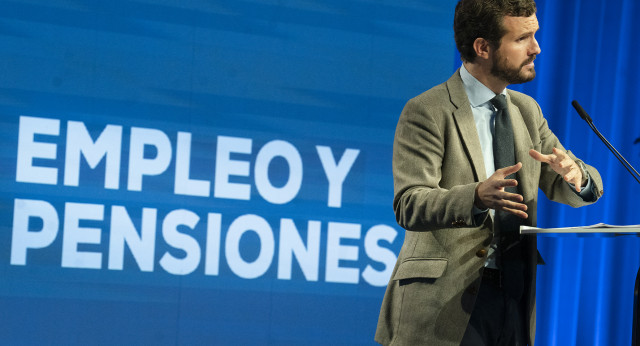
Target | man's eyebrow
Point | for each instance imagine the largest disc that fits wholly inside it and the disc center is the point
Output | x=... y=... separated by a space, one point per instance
x=529 y=32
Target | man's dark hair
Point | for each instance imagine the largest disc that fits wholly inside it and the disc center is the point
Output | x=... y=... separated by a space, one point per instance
x=484 y=18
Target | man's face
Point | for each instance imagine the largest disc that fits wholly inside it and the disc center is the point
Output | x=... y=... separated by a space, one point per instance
x=513 y=61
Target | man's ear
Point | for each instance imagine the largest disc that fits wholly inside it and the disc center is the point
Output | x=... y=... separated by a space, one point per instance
x=482 y=48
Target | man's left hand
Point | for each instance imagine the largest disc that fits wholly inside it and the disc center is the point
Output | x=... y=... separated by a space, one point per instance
x=562 y=164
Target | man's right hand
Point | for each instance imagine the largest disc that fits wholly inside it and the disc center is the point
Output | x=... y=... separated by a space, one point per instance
x=491 y=194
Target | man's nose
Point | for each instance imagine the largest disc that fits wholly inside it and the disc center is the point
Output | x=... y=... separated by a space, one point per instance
x=536 y=47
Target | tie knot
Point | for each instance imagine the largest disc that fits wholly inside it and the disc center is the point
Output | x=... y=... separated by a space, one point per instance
x=500 y=102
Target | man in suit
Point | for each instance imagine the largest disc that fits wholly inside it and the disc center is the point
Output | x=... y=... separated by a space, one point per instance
x=464 y=181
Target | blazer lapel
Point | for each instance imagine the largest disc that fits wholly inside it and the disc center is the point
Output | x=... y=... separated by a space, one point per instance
x=466 y=124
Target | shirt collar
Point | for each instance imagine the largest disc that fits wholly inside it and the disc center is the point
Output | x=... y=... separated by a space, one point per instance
x=477 y=92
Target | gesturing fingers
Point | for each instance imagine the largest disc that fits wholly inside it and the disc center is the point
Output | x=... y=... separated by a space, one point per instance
x=519 y=213
x=509 y=202
x=506 y=171
x=562 y=164
x=574 y=176
x=559 y=161
x=491 y=193
x=536 y=155
x=562 y=160
x=556 y=158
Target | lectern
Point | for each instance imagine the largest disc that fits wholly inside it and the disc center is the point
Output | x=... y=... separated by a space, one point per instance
x=606 y=230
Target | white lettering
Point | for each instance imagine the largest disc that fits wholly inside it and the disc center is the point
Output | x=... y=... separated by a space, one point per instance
x=284 y=194
x=174 y=238
x=379 y=254
x=29 y=149
x=21 y=238
x=183 y=184
x=140 y=166
x=212 y=260
x=337 y=252
x=123 y=232
x=336 y=173
x=241 y=225
x=74 y=235
x=107 y=145
x=290 y=244
x=226 y=167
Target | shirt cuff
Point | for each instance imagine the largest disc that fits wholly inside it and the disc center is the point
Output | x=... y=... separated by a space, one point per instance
x=477 y=210
x=586 y=193
x=479 y=215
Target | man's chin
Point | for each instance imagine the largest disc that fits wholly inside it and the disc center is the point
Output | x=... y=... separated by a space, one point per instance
x=513 y=76
x=529 y=76
x=525 y=75
x=529 y=71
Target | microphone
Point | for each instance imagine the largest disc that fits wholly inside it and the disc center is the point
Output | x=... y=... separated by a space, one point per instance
x=615 y=152
x=581 y=112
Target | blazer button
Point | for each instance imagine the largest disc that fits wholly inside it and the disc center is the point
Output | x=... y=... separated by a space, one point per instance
x=458 y=223
x=481 y=253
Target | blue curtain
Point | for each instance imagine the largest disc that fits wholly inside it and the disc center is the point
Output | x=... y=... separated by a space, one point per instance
x=589 y=51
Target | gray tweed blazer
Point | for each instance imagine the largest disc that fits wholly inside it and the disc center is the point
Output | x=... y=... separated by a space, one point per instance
x=437 y=163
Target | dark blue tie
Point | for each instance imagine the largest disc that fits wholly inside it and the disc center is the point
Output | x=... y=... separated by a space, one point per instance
x=503 y=152
x=507 y=225
x=504 y=156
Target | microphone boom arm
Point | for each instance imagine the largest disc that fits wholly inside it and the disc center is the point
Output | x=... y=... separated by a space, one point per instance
x=615 y=152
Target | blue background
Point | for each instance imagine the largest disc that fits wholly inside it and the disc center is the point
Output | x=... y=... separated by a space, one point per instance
x=332 y=73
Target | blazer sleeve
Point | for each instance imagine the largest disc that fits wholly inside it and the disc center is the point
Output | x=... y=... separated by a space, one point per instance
x=427 y=195
x=551 y=183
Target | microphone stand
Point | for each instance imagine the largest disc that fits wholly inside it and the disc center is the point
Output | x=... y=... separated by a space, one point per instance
x=615 y=152
x=635 y=338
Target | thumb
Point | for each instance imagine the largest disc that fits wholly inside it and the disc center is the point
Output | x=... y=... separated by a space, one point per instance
x=506 y=171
